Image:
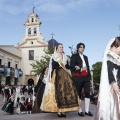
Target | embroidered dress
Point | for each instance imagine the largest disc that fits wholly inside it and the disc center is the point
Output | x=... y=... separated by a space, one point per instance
x=60 y=92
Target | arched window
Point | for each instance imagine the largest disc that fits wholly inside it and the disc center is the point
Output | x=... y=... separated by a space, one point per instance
x=30 y=82
x=35 y=31
x=32 y=19
x=29 y=31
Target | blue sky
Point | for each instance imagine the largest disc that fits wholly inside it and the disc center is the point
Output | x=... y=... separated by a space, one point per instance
x=93 y=22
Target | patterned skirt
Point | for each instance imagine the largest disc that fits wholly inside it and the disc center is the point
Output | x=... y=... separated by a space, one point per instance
x=8 y=107
x=60 y=94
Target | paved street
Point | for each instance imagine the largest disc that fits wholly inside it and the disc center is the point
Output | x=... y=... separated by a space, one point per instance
x=45 y=116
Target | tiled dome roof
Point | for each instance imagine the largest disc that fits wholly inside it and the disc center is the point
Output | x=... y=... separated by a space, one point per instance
x=52 y=43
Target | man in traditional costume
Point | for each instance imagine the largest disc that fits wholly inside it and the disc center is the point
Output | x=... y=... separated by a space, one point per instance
x=81 y=76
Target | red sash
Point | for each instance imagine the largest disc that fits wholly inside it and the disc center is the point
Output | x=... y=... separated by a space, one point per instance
x=28 y=103
x=9 y=95
x=83 y=73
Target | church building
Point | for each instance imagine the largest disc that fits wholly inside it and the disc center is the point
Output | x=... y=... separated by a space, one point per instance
x=15 y=68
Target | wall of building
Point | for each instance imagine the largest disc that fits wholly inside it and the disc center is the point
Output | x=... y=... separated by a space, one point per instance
x=6 y=56
x=25 y=62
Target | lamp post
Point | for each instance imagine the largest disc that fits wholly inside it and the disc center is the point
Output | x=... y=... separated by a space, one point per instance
x=71 y=48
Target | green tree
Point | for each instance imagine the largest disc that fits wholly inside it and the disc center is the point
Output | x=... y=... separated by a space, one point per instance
x=39 y=65
x=97 y=71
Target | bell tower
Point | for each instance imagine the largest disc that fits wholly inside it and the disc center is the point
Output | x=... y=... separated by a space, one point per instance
x=32 y=46
x=32 y=25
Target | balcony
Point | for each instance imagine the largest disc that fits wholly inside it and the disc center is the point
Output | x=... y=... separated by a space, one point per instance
x=2 y=68
x=11 y=72
x=20 y=72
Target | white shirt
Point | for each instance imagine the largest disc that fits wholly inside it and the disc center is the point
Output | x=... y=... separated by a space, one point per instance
x=10 y=91
x=84 y=64
x=28 y=99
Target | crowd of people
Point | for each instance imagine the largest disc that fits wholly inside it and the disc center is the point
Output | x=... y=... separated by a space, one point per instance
x=18 y=99
x=57 y=90
x=94 y=94
x=66 y=81
x=27 y=99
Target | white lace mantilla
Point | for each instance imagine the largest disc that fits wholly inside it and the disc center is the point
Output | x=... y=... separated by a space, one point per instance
x=113 y=57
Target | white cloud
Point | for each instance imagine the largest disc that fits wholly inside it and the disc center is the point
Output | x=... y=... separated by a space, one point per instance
x=13 y=7
x=52 y=8
x=63 y=6
x=48 y=6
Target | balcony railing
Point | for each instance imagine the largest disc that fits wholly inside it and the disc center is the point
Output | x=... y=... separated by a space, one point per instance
x=2 y=68
x=9 y=71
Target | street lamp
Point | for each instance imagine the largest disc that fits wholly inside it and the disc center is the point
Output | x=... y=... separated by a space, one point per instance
x=71 y=48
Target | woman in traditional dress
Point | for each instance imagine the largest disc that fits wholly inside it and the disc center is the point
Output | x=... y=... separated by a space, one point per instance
x=8 y=107
x=22 y=105
x=60 y=93
x=109 y=101
x=39 y=90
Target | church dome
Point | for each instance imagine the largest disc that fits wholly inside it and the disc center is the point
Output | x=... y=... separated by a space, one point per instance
x=52 y=43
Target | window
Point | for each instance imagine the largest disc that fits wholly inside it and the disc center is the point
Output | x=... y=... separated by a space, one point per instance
x=31 y=42
x=32 y=19
x=16 y=66
x=29 y=31
x=0 y=61
x=35 y=31
x=8 y=64
x=31 y=54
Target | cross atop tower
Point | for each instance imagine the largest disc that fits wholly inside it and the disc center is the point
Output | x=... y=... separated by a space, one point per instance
x=52 y=35
x=33 y=8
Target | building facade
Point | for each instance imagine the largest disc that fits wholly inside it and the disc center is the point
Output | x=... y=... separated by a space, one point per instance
x=30 y=49
x=10 y=65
